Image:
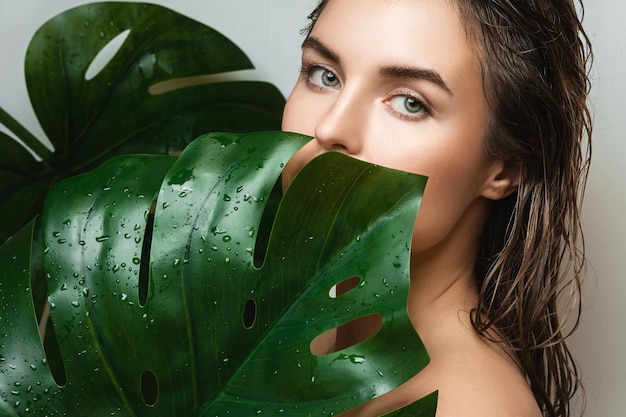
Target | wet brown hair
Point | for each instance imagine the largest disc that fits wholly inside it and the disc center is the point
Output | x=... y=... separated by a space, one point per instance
x=535 y=58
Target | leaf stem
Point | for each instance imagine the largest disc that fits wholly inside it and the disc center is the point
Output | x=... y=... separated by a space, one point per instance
x=24 y=135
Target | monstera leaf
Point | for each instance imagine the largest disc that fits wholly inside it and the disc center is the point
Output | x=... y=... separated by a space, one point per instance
x=94 y=101
x=226 y=322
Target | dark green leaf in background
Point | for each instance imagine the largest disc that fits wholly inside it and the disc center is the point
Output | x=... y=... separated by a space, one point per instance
x=340 y=218
x=91 y=117
x=135 y=104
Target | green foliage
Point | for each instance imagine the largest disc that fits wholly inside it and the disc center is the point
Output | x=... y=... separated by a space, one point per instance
x=188 y=333
x=132 y=105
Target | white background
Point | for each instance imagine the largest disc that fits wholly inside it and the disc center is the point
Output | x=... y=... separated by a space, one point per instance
x=268 y=31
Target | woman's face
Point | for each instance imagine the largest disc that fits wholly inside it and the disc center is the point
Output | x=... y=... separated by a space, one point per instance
x=396 y=83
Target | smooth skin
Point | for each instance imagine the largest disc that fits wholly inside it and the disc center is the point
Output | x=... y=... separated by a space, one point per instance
x=397 y=83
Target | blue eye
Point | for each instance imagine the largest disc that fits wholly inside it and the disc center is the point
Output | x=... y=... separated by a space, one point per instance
x=323 y=77
x=407 y=105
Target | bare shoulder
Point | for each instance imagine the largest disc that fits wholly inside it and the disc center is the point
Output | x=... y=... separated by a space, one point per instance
x=479 y=379
x=474 y=378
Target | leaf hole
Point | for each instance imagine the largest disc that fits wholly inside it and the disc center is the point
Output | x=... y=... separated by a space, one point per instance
x=149 y=388
x=344 y=287
x=105 y=55
x=266 y=224
x=249 y=313
x=53 y=354
x=347 y=335
x=163 y=87
x=144 y=262
x=39 y=294
x=38 y=281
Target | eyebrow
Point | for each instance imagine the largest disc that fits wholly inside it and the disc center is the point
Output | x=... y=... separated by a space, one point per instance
x=415 y=73
x=388 y=71
x=315 y=44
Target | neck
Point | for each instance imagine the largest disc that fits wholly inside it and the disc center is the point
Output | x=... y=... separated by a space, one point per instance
x=442 y=278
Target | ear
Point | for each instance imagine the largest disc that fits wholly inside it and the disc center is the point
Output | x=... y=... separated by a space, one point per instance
x=503 y=179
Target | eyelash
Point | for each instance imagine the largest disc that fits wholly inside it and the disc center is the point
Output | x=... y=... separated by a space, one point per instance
x=425 y=109
x=308 y=69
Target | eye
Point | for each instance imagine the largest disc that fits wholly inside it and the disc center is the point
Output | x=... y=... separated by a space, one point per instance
x=323 y=77
x=407 y=105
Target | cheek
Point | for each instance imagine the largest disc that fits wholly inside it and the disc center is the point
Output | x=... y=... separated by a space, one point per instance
x=452 y=197
x=297 y=116
x=443 y=205
x=455 y=179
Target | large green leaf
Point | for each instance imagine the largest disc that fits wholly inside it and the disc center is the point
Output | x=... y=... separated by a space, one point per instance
x=81 y=115
x=219 y=335
x=122 y=109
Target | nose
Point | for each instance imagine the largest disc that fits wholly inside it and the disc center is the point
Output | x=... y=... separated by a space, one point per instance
x=342 y=127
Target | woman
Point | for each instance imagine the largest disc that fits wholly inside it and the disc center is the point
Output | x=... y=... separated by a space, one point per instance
x=486 y=98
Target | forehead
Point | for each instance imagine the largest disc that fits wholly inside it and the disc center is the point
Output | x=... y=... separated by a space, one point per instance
x=401 y=32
